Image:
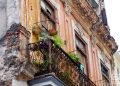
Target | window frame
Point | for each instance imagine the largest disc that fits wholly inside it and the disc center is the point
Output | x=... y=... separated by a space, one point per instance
x=85 y=54
x=47 y=15
x=107 y=76
x=82 y=42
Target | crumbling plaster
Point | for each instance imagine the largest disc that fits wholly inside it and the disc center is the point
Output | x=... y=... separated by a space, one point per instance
x=9 y=14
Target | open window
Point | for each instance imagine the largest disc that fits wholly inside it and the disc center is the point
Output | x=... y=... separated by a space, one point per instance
x=81 y=52
x=105 y=74
x=47 y=16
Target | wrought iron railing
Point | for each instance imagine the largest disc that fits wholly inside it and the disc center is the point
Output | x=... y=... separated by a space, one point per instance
x=55 y=60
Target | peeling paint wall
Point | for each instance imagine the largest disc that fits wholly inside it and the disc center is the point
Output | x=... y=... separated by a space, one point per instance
x=12 y=12
x=9 y=14
x=3 y=18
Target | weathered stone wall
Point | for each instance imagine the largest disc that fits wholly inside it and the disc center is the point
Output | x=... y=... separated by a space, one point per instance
x=3 y=18
x=9 y=14
x=6 y=83
x=12 y=9
x=12 y=58
x=11 y=61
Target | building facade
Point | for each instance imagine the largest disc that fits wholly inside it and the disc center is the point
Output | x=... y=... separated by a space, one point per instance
x=55 y=43
x=117 y=68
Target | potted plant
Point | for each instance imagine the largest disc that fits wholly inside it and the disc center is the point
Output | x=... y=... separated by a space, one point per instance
x=57 y=40
x=52 y=32
x=65 y=75
x=36 y=29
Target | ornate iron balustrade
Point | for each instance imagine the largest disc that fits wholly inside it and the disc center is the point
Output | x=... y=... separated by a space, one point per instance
x=55 y=60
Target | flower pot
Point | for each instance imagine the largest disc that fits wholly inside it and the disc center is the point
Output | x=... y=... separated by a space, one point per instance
x=52 y=32
x=36 y=29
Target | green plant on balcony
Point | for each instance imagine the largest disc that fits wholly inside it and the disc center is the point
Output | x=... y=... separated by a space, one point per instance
x=58 y=41
x=66 y=78
x=65 y=75
x=45 y=64
x=74 y=57
x=35 y=62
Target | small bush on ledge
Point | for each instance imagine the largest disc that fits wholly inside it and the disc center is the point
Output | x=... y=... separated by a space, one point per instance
x=74 y=57
x=58 y=41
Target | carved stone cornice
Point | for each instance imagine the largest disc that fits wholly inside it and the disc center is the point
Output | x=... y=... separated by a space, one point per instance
x=28 y=72
x=101 y=29
x=112 y=44
x=83 y=9
x=67 y=6
x=104 y=35
x=88 y=11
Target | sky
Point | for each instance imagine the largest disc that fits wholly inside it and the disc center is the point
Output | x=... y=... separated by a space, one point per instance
x=113 y=15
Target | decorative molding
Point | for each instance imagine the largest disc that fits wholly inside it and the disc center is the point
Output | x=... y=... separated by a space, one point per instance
x=28 y=72
x=93 y=39
x=67 y=6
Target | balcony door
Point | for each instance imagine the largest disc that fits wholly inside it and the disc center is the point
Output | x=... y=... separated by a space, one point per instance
x=47 y=16
x=81 y=52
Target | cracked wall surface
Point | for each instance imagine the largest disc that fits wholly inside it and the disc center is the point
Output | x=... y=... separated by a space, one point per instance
x=11 y=62
x=9 y=14
x=3 y=18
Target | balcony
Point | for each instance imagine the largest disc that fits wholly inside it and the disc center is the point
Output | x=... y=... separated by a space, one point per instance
x=50 y=58
x=38 y=59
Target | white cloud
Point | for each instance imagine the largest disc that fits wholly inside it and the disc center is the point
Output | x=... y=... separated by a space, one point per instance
x=113 y=14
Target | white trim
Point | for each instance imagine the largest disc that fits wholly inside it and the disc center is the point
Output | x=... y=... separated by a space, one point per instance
x=45 y=83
